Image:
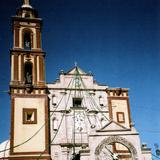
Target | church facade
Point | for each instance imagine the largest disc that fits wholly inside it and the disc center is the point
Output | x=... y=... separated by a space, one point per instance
x=91 y=121
x=74 y=118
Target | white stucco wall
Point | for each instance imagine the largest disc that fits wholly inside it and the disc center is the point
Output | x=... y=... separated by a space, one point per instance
x=120 y=106
x=29 y=130
x=95 y=128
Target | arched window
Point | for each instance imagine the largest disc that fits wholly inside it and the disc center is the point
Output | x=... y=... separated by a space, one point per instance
x=27 y=41
x=28 y=72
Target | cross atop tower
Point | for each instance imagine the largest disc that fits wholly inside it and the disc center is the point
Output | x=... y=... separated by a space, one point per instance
x=75 y=64
x=26 y=4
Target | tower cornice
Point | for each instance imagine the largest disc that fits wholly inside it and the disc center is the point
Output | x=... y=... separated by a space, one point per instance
x=22 y=19
x=31 y=52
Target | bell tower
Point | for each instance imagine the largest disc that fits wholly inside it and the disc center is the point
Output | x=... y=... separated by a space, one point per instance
x=29 y=102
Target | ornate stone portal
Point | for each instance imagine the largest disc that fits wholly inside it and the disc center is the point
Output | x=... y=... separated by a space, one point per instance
x=108 y=154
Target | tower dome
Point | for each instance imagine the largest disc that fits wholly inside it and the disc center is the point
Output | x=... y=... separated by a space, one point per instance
x=4 y=147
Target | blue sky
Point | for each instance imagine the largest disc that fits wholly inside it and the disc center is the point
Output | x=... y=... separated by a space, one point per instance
x=118 y=40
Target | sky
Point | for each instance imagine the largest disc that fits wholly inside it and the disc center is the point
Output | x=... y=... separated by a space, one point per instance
x=117 y=40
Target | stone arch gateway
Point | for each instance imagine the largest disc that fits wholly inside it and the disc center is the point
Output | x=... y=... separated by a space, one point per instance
x=117 y=139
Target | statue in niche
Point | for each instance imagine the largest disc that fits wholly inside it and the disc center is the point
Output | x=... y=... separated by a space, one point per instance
x=27 y=41
x=28 y=72
x=28 y=78
x=27 y=44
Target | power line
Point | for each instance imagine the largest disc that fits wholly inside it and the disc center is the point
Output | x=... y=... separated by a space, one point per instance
x=149 y=131
x=32 y=135
x=94 y=103
x=4 y=91
x=72 y=80
x=155 y=156
x=37 y=130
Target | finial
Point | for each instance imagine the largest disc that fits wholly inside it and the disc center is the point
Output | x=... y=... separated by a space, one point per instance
x=26 y=4
x=75 y=64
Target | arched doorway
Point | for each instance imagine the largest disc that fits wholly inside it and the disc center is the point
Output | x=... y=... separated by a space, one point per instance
x=115 y=148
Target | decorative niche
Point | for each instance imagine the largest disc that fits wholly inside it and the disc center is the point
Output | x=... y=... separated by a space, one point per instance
x=28 y=72
x=54 y=100
x=101 y=101
x=27 y=41
x=55 y=124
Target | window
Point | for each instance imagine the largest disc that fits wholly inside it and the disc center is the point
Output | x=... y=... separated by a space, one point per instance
x=29 y=116
x=28 y=72
x=120 y=117
x=77 y=102
x=27 y=41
